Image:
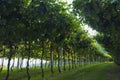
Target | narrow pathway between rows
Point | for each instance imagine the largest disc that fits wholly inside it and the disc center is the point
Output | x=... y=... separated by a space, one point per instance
x=104 y=71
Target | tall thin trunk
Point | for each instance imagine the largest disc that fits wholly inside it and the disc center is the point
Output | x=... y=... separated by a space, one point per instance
x=55 y=62
x=89 y=61
x=2 y=60
x=21 y=64
x=51 y=59
x=40 y=63
x=60 y=53
x=59 y=63
x=18 y=61
x=79 y=60
x=69 y=60
x=13 y=64
x=86 y=61
x=42 y=60
x=46 y=63
x=27 y=67
x=32 y=62
x=35 y=63
x=64 y=60
x=72 y=60
x=9 y=59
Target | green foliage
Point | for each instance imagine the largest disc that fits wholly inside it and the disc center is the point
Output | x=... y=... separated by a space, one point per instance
x=104 y=16
x=35 y=28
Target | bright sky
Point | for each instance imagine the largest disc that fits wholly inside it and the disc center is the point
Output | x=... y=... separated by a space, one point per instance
x=69 y=1
x=90 y=31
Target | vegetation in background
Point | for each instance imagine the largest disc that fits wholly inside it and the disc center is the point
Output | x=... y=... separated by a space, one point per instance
x=45 y=30
x=103 y=16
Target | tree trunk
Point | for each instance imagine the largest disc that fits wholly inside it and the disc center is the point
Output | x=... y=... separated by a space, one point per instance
x=79 y=60
x=42 y=60
x=51 y=59
x=32 y=63
x=46 y=63
x=59 y=63
x=69 y=60
x=72 y=61
x=9 y=59
x=27 y=67
x=13 y=64
x=35 y=63
x=64 y=60
x=88 y=57
x=21 y=64
x=18 y=61
x=2 y=60
x=93 y=60
x=60 y=53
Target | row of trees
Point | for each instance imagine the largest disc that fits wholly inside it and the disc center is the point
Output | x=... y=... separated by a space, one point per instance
x=46 y=30
x=103 y=16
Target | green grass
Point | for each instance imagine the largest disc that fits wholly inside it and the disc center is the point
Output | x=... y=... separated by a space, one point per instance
x=89 y=72
x=102 y=71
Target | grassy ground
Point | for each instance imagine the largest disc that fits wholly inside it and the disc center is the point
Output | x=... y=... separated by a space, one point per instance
x=103 y=71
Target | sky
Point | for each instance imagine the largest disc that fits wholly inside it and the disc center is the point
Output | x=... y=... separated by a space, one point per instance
x=90 y=31
x=68 y=1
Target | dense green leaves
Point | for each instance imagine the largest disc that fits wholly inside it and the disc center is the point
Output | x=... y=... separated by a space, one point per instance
x=36 y=21
x=104 y=16
x=46 y=30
